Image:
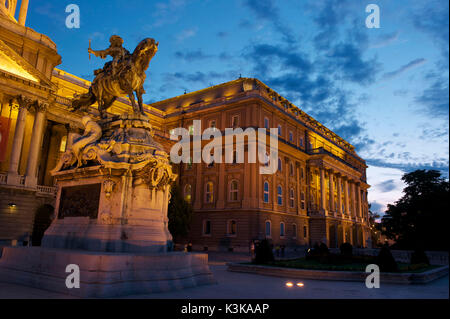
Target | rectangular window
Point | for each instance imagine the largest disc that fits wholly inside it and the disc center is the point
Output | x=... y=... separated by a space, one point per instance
x=191 y=129
x=235 y=121
x=294 y=231
x=301 y=141
x=305 y=231
x=207 y=227
x=291 y=137
x=266 y=123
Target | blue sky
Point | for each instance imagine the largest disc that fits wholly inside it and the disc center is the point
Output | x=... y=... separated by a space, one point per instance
x=385 y=90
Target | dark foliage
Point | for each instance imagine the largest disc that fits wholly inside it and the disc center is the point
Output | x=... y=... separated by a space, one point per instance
x=386 y=261
x=180 y=215
x=420 y=217
x=419 y=257
x=346 y=250
x=263 y=252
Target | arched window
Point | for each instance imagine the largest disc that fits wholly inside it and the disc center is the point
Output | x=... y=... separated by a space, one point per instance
x=188 y=193
x=280 y=195
x=231 y=227
x=266 y=192
x=209 y=193
x=291 y=198
x=234 y=190
x=282 y=230
x=268 y=229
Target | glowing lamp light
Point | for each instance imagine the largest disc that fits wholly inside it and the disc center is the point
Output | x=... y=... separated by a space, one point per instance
x=300 y=284
x=12 y=205
x=289 y=284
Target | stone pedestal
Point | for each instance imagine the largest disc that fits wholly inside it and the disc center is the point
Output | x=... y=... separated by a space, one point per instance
x=113 y=195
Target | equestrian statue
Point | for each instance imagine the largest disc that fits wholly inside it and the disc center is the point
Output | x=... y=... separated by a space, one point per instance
x=124 y=75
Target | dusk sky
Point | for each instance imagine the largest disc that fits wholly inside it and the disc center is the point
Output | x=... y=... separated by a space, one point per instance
x=385 y=90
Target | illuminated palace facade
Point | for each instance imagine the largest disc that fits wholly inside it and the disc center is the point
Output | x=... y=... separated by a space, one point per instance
x=318 y=194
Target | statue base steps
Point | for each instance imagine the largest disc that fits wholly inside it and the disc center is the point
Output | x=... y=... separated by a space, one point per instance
x=103 y=274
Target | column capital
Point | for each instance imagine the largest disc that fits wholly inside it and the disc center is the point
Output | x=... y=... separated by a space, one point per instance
x=40 y=106
x=24 y=101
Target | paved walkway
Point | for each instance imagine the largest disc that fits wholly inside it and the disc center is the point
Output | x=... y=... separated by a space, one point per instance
x=231 y=285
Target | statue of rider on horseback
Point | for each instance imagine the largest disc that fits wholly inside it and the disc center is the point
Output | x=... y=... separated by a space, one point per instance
x=124 y=75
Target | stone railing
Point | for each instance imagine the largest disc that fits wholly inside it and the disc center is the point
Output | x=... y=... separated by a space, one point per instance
x=47 y=190
x=403 y=256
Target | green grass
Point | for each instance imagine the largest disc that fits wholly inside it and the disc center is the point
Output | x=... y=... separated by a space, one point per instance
x=357 y=265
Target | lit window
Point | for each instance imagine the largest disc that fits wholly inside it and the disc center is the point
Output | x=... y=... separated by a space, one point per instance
x=188 y=193
x=280 y=195
x=302 y=200
x=234 y=190
x=209 y=194
x=291 y=198
x=231 y=227
x=207 y=227
x=268 y=229
x=266 y=192
x=63 y=144
x=281 y=229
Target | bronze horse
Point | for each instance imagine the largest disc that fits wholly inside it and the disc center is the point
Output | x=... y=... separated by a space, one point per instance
x=130 y=77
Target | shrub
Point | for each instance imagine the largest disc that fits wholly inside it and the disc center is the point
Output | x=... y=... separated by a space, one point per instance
x=386 y=261
x=419 y=257
x=263 y=252
x=323 y=249
x=346 y=250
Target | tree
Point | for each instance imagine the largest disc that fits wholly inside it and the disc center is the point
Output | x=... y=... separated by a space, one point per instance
x=374 y=227
x=180 y=214
x=420 y=217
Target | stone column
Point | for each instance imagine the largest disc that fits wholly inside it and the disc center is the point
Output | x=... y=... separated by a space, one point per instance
x=330 y=174
x=323 y=190
x=287 y=187
x=299 y=187
x=199 y=187
x=13 y=171
x=346 y=199
x=353 y=199
x=358 y=198
x=35 y=144
x=339 y=194
x=223 y=185
x=23 y=12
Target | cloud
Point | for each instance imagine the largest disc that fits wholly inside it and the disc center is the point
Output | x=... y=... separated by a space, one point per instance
x=386 y=39
x=267 y=10
x=167 y=12
x=404 y=68
x=387 y=186
x=409 y=167
x=432 y=18
x=434 y=100
x=203 y=78
x=377 y=207
x=186 y=34
x=191 y=56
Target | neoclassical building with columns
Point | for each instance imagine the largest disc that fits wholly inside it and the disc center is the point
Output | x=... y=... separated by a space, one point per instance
x=318 y=194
